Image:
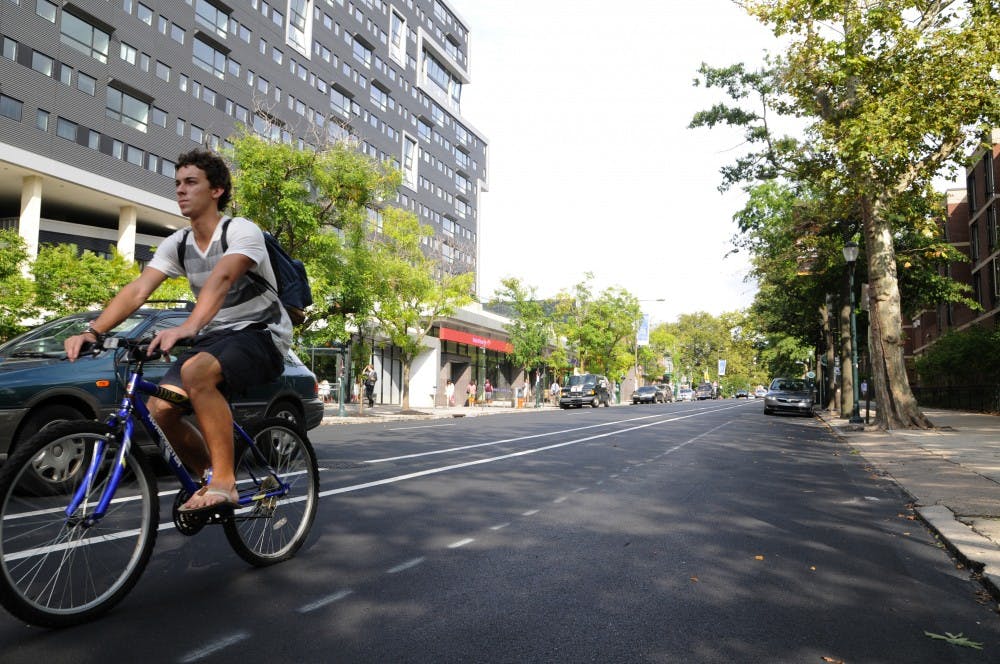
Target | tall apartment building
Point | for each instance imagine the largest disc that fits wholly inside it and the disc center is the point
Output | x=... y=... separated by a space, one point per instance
x=98 y=97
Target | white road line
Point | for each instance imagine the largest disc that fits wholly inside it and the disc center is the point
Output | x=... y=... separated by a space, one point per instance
x=214 y=647
x=529 y=513
x=461 y=543
x=324 y=601
x=502 y=457
x=500 y=526
x=422 y=426
x=549 y=433
x=559 y=499
x=405 y=566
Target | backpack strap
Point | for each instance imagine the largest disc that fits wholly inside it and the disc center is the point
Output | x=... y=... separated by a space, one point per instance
x=182 y=247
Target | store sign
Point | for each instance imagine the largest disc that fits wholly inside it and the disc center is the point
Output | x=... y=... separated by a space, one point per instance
x=448 y=334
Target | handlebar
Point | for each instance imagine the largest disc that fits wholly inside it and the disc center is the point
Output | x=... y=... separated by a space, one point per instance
x=137 y=349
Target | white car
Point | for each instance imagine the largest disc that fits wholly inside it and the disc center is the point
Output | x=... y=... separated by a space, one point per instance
x=685 y=394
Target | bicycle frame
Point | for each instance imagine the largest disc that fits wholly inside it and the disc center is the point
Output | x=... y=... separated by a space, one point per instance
x=124 y=421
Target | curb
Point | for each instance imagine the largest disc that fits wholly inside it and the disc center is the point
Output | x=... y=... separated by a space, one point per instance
x=973 y=550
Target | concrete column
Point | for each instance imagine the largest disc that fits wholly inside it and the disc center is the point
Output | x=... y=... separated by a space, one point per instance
x=30 y=220
x=127 y=216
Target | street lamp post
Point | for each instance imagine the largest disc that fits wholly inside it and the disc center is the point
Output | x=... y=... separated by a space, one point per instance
x=851 y=256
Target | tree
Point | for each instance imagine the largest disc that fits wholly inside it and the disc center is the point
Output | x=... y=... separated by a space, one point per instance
x=411 y=293
x=67 y=280
x=599 y=331
x=16 y=291
x=530 y=329
x=318 y=202
x=891 y=92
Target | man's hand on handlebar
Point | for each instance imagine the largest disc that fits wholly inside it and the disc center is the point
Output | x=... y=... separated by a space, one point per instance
x=167 y=339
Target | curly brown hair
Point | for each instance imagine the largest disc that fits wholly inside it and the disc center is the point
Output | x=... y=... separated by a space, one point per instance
x=215 y=170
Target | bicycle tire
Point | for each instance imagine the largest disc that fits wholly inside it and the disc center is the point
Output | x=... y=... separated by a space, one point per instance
x=271 y=530
x=57 y=571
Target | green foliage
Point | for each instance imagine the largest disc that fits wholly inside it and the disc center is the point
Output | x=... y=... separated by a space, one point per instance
x=410 y=296
x=67 y=281
x=962 y=358
x=530 y=329
x=16 y=291
x=600 y=331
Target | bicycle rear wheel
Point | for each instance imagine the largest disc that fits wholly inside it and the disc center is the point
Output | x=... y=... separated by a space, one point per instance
x=271 y=530
x=58 y=570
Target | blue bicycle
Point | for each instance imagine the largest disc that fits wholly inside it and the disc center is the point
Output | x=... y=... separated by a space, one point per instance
x=71 y=551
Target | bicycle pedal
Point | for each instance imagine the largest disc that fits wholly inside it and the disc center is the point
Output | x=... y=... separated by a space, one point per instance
x=186 y=523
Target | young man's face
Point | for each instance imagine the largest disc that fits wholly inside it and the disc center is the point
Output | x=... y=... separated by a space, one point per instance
x=195 y=196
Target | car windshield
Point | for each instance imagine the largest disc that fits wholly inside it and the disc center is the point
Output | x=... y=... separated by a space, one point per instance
x=788 y=385
x=48 y=338
x=575 y=381
x=647 y=389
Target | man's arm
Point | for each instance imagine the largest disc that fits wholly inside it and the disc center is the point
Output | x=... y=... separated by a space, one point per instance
x=225 y=273
x=128 y=299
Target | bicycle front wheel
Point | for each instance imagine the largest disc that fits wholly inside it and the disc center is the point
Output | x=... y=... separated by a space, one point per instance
x=57 y=569
x=271 y=529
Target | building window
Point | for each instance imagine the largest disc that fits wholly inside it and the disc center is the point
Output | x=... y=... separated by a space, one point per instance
x=46 y=10
x=66 y=129
x=82 y=36
x=362 y=53
x=41 y=63
x=145 y=14
x=991 y=227
x=10 y=107
x=211 y=17
x=974 y=241
x=177 y=33
x=159 y=117
x=410 y=162
x=379 y=98
x=397 y=38
x=340 y=102
x=9 y=48
x=42 y=120
x=299 y=25
x=988 y=173
x=127 y=109
x=162 y=71
x=209 y=59
x=85 y=83
x=128 y=53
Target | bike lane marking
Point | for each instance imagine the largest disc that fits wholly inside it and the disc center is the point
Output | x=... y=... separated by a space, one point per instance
x=511 y=455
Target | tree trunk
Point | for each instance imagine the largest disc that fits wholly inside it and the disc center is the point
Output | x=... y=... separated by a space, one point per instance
x=895 y=405
x=405 y=389
x=846 y=371
x=829 y=376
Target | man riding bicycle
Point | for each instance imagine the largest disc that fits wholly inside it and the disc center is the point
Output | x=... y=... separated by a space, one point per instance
x=240 y=329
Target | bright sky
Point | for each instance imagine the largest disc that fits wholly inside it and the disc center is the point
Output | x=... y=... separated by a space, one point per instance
x=585 y=105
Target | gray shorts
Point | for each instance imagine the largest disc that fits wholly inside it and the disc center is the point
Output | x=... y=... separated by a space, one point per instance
x=248 y=357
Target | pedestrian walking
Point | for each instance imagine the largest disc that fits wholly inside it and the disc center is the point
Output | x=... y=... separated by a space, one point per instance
x=555 y=391
x=488 y=391
x=370 y=377
x=449 y=393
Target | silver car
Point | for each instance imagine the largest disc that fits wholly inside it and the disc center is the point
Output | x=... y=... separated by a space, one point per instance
x=789 y=395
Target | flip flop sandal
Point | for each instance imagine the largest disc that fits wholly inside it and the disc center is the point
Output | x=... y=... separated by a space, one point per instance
x=227 y=503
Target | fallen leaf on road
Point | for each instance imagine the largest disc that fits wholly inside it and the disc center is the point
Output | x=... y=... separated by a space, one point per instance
x=955 y=639
x=812 y=567
x=831 y=660
x=758 y=557
x=694 y=579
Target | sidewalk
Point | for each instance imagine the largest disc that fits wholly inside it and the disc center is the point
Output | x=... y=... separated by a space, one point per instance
x=953 y=474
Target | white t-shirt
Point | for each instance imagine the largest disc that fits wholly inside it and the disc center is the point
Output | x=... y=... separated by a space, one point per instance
x=247 y=302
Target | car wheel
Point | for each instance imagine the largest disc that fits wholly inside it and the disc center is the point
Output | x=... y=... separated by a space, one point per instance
x=286 y=410
x=596 y=403
x=53 y=467
x=768 y=411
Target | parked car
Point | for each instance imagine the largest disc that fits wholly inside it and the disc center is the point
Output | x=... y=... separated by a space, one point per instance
x=647 y=394
x=685 y=394
x=742 y=394
x=704 y=391
x=789 y=395
x=586 y=390
x=666 y=392
x=38 y=387
x=760 y=392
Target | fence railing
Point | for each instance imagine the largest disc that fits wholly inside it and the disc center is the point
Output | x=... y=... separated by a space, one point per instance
x=976 y=398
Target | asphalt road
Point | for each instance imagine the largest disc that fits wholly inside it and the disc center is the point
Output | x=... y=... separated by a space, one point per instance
x=695 y=532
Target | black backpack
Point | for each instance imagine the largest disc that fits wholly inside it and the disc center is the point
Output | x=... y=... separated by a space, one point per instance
x=293 y=283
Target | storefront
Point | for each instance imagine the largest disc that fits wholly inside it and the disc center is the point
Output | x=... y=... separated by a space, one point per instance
x=467 y=358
